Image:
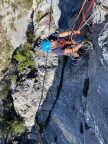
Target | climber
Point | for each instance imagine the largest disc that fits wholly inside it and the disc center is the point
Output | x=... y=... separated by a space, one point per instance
x=57 y=43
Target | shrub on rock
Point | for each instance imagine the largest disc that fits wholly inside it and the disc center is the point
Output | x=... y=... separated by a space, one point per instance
x=23 y=57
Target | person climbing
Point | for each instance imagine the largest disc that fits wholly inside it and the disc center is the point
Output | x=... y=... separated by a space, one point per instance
x=60 y=46
x=57 y=43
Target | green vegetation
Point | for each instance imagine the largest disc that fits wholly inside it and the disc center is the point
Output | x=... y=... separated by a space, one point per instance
x=19 y=16
x=12 y=25
x=5 y=53
x=4 y=88
x=38 y=2
x=5 y=50
x=23 y=57
x=10 y=122
x=1 y=1
x=8 y=13
x=39 y=16
x=14 y=6
x=30 y=35
x=15 y=126
x=1 y=17
x=27 y=4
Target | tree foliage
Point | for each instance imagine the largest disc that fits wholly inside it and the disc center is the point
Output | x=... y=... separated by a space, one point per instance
x=23 y=57
x=30 y=35
x=10 y=122
x=16 y=126
x=4 y=89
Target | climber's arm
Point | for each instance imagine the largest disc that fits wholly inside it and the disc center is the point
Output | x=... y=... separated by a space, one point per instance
x=72 y=49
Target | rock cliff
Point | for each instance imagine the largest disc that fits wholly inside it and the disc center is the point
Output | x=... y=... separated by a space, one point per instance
x=80 y=113
x=60 y=102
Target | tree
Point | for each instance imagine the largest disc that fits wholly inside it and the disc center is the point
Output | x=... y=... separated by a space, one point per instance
x=16 y=126
x=23 y=57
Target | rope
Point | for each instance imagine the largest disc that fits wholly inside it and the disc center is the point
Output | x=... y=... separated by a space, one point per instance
x=46 y=61
x=88 y=44
x=86 y=21
x=79 y=14
x=92 y=2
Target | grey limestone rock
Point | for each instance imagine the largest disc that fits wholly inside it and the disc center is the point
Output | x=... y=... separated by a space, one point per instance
x=73 y=108
x=14 y=22
x=80 y=113
x=45 y=27
x=105 y=2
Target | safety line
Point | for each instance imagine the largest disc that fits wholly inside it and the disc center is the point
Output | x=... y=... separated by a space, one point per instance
x=86 y=14
x=79 y=14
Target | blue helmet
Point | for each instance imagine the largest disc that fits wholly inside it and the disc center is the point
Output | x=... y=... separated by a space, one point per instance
x=46 y=45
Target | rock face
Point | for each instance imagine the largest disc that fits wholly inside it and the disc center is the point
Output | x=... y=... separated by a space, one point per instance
x=73 y=98
x=105 y=2
x=15 y=21
x=43 y=20
x=67 y=117
x=45 y=27
x=80 y=113
x=27 y=95
x=97 y=97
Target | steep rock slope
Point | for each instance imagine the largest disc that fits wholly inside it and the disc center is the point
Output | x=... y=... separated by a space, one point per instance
x=73 y=108
x=27 y=95
x=80 y=113
x=14 y=18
